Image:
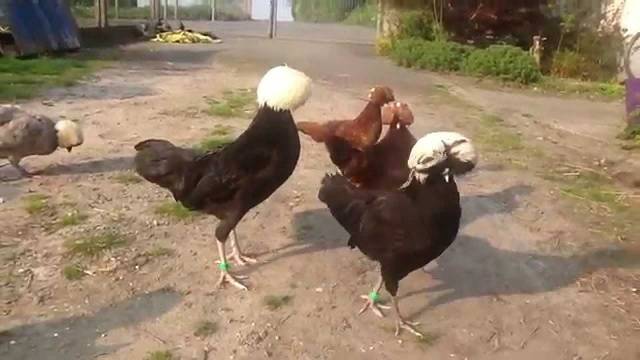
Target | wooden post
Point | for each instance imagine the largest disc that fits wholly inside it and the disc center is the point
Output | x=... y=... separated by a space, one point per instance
x=117 y=9
x=100 y=8
x=213 y=10
x=176 y=6
x=275 y=18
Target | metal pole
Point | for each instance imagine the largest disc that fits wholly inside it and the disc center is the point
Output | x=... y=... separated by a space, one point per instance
x=175 y=10
x=117 y=9
x=213 y=10
x=165 y=10
x=271 y=18
x=275 y=18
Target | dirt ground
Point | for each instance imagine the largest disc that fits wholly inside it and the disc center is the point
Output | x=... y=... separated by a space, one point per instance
x=524 y=280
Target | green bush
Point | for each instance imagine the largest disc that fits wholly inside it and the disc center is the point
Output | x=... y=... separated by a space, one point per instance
x=505 y=62
x=365 y=15
x=570 y=64
x=323 y=10
x=415 y=24
x=430 y=55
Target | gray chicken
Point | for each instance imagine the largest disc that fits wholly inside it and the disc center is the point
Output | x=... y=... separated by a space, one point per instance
x=24 y=134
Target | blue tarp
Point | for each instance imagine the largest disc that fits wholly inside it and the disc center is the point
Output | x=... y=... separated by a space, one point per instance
x=40 y=26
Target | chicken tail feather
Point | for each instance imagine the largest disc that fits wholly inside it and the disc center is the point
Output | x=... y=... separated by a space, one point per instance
x=317 y=132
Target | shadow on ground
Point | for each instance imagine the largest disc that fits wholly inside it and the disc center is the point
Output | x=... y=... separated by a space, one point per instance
x=77 y=337
x=473 y=268
x=119 y=163
x=317 y=230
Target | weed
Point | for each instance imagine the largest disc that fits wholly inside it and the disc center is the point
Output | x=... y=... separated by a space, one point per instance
x=73 y=272
x=218 y=138
x=72 y=218
x=95 y=245
x=234 y=103
x=495 y=134
x=205 y=328
x=606 y=90
x=275 y=302
x=175 y=210
x=36 y=203
x=127 y=178
x=505 y=62
x=158 y=251
x=160 y=355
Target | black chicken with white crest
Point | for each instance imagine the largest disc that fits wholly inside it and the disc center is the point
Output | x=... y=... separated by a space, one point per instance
x=229 y=182
x=407 y=228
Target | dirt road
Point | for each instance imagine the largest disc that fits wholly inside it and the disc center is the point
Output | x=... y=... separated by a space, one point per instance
x=522 y=281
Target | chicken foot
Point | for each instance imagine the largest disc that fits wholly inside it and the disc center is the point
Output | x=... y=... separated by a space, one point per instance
x=223 y=265
x=23 y=172
x=401 y=323
x=236 y=254
x=372 y=300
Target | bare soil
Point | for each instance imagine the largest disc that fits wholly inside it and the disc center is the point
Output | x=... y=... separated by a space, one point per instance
x=524 y=280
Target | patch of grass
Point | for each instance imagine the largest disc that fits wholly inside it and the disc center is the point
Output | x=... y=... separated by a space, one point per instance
x=73 y=272
x=160 y=355
x=95 y=245
x=175 y=210
x=205 y=328
x=127 y=178
x=35 y=204
x=218 y=138
x=23 y=79
x=631 y=135
x=494 y=133
x=234 y=103
x=158 y=251
x=429 y=339
x=275 y=302
x=607 y=90
x=72 y=218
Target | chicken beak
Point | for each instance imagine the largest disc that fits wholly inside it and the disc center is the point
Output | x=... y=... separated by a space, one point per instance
x=69 y=149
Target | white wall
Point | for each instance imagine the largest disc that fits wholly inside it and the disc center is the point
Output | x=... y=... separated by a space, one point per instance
x=260 y=10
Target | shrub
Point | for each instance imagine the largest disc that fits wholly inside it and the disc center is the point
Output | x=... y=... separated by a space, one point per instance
x=430 y=55
x=384 y=46
x=365 y=15
x=570 y=64
x=323 y=10
x=505 y=62
x=415 y=24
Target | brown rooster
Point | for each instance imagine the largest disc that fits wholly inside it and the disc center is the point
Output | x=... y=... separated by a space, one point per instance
x=384 y=165
x=360 y=132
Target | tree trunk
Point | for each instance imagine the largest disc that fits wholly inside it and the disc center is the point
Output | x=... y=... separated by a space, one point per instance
x=387 y=18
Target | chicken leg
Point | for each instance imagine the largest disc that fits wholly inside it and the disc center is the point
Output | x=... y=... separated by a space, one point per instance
x=236 y=254
x=16 y=164
x=372 y=300
x=223 y=265
x=401 y=323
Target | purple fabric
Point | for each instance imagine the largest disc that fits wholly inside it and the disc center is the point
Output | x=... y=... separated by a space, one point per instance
x=633 y=99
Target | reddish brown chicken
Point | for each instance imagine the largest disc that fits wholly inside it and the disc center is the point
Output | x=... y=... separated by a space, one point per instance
x=384 y=165
x=358 y=133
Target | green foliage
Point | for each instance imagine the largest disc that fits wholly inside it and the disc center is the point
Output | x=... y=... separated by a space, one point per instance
x=95 y=245
x=323 y=10
x=430 y=55
x=607 y=90
x=571 y=64
x=415 y=24
x=505 y=62
x=364 y=15
x=73 y=272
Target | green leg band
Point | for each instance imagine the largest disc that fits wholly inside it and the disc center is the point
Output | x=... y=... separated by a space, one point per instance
x=374 y=297
x=224 y=266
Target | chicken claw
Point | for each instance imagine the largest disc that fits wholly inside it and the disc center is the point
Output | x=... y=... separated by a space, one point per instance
x=409 y=326
x=236 y=254
x=226 y=277
x=372 y=303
